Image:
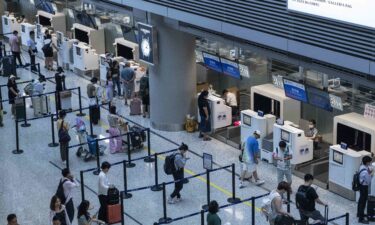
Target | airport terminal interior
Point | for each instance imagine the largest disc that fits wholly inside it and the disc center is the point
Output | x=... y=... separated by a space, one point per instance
x=140 y=79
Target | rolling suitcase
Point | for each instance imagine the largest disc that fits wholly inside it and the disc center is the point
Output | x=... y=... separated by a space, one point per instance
x=20 y=108
x=46 y=104
x=136 y=140
x=36 y=101
x=140 y=131
x=135 y=106
x=9 y=66
x=94 y=111
x=114 y=213
x=66 y=100
x=113 y=196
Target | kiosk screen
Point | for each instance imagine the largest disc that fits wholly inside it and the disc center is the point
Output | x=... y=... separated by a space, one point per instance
x=23 y=28
x=247 y=120
x=44 y=21
x=285 y=136
x=78 y=50
x=59 y=38
x=338 y=157
x=81 y=35
x=5 y=21
x=125 y=51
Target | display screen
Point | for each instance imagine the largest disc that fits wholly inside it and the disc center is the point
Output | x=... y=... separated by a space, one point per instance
x=319 y=98
x=78 y=50
x=285 y=135
x=59 y=38
x=230 y=68
x=81 y=35
x=207 y=161
x=5 y=21
x=44 y=21
x=338 y=157
x=23 y=28
x=247 y=120
x=360 y=12
x=212 y=62
x=125 y=51
x=295 y=90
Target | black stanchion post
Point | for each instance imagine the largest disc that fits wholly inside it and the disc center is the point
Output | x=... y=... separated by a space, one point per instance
x=164 y=219
x=125 y=195
x=25 y=124
x=1 y=102
x=346 y=218
x=288 y=202
x=38 y=68
x=205 y=207
x=149 y=159
x=56 y=104
x=47 y=104
x=157 y=186
x=233 y=199
x=82 y=186
x=67 y=157
x=80 y=103
x=130 y=164
x=202 y=217
x=18 y=150
x=53 y=144
x=122 y=210
x=97 y=171
x=92 y=129
x=252 y=211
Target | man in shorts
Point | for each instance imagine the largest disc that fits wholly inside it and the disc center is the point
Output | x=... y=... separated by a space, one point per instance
x=250 y=159
x=127 y=77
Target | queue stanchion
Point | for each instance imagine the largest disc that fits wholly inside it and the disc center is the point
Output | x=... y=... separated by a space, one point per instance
x=91 y=127
x=288 y=200
x=205 y=207
x=56 y=105
x=202 y=217
x=149 y=158
x=233 y=199
x=97 y=171
x=47 y=104
x=122 y=209
x=130 y=164
x=17 y=150
x=82 y=185
x=1 y=102
x=67 y=157
x=25 y=124
x=125 y=194
x=53 y=143
x=157 y=186
x=253 y=210
x=164 y=219
x=346 y=218
x=80 y=103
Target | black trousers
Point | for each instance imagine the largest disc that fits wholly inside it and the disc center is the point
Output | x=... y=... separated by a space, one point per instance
x=32 y=62
x=363 y=196
x=17 y=55
x=178 y=175
x=69 y=206
x=103 y=200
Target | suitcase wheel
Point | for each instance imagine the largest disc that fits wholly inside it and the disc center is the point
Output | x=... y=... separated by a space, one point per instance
x=79 y=152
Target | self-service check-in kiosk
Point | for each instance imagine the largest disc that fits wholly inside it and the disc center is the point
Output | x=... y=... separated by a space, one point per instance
x=90 y=36
x=65 y=52
x=25 y=33
x=343 y=163
x=272 y=100
x=85 y=59
x=221 y=114
x=39 y=38
x=300 y=145
x=10 y=24
x=252 y=121
x=56 y=21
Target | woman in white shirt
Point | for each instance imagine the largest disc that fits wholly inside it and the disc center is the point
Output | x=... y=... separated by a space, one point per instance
x=103 y=190
x=58 y=210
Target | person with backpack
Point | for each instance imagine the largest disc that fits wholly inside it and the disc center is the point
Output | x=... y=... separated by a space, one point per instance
x=365 y=176
x=272 y=206
x=176 y=163
x=103 y=191
x=68 y=183
x=144 y=92
x=115 y=73
x=306 y=197
x=127 y=78
x=282 y=156
x=64 y=137
x=58 y=211
x=48 y=52
x=13 y=93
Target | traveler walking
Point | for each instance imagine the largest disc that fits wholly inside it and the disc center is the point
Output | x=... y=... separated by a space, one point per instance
x=58 y=210
x=84 y=217
x=12 y=219
x=60 y=85
x=144 y=92
x=32 y=50
x=204 y=113
x=306 y=197
x=212 y=217
x=179 y=161
x=64 y=138
x=14 y=43
x=365 y=177
x=282 y=156
x=13 y=93
x=127 y=77
x=69 y=183
x=103 y=191
x=250 y=159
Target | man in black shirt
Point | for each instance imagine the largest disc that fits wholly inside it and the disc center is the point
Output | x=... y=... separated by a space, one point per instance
x=205 y=113
x=306 y=197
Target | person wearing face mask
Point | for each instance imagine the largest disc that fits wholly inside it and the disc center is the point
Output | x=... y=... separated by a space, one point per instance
x=366 y=173
x=205 y=113
x=312 y=132
x=178 y=174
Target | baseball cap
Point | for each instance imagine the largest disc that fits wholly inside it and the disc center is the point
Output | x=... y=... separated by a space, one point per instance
x=258 y=132
x=12 y=76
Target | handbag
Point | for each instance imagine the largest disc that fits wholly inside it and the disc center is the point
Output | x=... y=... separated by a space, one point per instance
x=63 y=134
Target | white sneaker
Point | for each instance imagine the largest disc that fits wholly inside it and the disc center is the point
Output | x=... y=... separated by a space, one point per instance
x=178 y=199
x=242 y=185
x=259 y=182
x=171 y=200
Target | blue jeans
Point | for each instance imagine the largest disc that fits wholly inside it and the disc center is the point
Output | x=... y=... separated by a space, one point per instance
x=116 y=83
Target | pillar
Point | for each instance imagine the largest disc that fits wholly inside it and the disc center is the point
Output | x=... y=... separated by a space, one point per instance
x=173 y=78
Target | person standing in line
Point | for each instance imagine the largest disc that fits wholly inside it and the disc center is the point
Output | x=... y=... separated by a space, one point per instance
x=32 y=50
x=1 y=116
x=365 y=177
x=204 y=113
x=56 y=221
x=69 y=186
x=231 y=100
x=103 y=191
x=61 y=124
x=58 y=211
x=178 y=173
x=144 y=92
x=12 y=219
x=14 y=43
x=128 y=77
x=83 y=216
x=282 y=156
x=48 y=47
x=109 y=89
x=116 y=78
x=212 y=217
x=13 y=93
x=60 y=85
x=251 y=159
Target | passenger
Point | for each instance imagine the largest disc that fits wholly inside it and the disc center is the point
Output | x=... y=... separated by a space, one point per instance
x=58 y=211
x=366 y=173
x=103 y=191
x=60 y=85
x=92 y=91
x=115 y=142
x=69 y=186
x=306 y=197
x=83 y=216
x=204 y=113
x=13 y=93
x=127 y=77
x=12 y=219
x=212 y=217
x=15 y=44
x=144 y=92
x=48 y=52
x=178 y=175
x=231 y=100
x=251 y=159
x=61 y=124
x=32 y=50
x=109 y=89
x=116 y=78
x=56 y=221
x=282 y=155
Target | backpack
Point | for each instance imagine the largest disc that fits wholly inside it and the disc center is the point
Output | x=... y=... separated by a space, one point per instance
x=143 y=86
x=356 y=183
x=302 y=201
x=169 y=166
x=284 y=220
x=266 y=207
x=60 y=191
x=28 y=89
x=47 y=49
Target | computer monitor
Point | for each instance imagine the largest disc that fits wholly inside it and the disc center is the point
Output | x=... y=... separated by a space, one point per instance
x=125 y=51
x=81 y=35
x=78 y=50
x=285 y=136
x=45 y=21
x=247 y=120
x=260 y=113
x=6 y=21
x=23 y=28
x=338 y=157
x=344 y=145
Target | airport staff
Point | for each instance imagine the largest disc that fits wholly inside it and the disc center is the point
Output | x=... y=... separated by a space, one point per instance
x=312 y=132
x=231 y=100
x=365 y=176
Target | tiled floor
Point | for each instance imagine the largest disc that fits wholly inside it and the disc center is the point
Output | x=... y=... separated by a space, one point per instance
x=29 y=180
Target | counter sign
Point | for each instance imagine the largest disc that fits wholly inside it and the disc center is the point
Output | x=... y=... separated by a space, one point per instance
x=147 y=43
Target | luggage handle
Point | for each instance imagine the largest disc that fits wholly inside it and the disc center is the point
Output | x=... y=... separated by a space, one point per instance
x=326 y=214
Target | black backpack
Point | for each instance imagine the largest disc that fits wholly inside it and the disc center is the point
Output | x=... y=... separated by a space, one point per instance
x=60 y=191
x=47 y=49
x=356 y=183
x=169 y=166
x=113 y=196
x=302 y=201
x=284 y=220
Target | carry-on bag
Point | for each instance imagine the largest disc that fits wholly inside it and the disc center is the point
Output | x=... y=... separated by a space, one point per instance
x=113 y=196
x=66 y=100
x=20 y=108
x=135 y=106
x=114 y=213
x=94 y=111
x=9 y=66
x=36 y=101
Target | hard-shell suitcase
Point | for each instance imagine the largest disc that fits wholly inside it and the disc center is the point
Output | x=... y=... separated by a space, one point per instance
x=135 y=106
x=114 y=213
x=140 y=131
x=136 y=140
x=94 y=111
x=36 y=101
x=113 y=196
x=9 y=66
x=66 y=100
x=20 y=108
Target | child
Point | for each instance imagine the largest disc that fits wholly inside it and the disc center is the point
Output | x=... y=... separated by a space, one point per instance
x=109 y=89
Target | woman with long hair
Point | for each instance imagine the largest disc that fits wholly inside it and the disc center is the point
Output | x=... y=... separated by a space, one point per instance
x=83 y=216
x=57 y=209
